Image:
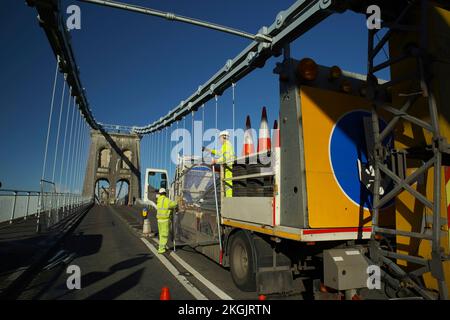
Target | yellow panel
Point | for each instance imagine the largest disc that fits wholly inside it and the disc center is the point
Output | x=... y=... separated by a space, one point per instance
x=328 y=205
x=409 y=212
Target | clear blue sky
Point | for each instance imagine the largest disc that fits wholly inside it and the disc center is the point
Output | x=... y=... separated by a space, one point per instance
x=135 y=68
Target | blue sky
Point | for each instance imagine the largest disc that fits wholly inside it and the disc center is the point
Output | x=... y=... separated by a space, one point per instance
x=135 y=68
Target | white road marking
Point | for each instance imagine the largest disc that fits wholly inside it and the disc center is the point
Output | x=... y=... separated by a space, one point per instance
x=211 y=286
x=182 y=279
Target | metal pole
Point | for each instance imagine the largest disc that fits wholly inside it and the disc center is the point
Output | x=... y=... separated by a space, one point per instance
x=217 y=209
x=28 y=203
x=13 y=208
x=172 y=17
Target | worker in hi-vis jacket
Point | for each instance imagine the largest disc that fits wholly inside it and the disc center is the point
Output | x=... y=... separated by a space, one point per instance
x=225 y=156
x=163 y=207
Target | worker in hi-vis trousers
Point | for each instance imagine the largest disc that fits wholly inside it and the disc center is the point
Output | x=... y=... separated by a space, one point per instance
x=163 y=207
x=226 y=156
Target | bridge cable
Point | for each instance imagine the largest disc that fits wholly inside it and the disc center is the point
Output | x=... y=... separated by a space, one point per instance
x=149 y=153
x=233 y=86
x=153 y=150
x=192 y=134
x=65 y=138
x=69 y=158
x=159 y=150
x=184 y=136
x=83 y=156
x=216 y=129
x=169 y=163
x=50 y=119
x=59 y=128
x=203 y=127
x=178 y=154
x=74 y=155
x=164 y=148
x=80 y=140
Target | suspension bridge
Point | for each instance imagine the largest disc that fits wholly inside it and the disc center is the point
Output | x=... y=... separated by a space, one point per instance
x=87 y=210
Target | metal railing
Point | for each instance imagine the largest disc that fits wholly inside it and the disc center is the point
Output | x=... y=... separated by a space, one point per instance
x=19 y=205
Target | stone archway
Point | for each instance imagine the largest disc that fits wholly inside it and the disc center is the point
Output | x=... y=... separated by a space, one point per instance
x=102 y=191
x=115 y=157
x=123 y=192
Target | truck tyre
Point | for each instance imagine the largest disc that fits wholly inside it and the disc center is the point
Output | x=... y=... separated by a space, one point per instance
x=242 y=262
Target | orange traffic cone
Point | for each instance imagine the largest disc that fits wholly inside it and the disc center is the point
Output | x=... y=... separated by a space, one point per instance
x=262 y=297
x=248 y=139
x=264 y=143
x=276 y=135
x=165 y=294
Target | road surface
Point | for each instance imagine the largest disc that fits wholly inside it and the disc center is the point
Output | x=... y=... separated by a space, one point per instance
x=115 y=263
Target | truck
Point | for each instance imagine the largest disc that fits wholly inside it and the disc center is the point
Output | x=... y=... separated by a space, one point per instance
x=301 y=210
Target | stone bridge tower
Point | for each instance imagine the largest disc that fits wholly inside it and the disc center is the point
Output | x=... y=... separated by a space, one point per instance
x=114 y=159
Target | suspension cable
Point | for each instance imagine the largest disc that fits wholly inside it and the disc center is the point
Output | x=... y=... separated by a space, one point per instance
x=69 y=158
x=177 y=152
x=153 y=148
x=50 y=119
x=59 y=127
x=165 y=153
x=216 y=133
x=65 y=137
x=233 y=86
x=192 y=134
x=82 y=155
x=159 y=149
x=74 y=154
x=184 y=136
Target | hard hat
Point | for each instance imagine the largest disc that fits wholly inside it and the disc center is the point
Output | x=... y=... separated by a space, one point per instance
x=224 y=133
x=162 y=190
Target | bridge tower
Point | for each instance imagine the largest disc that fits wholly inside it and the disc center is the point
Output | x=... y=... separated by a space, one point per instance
x=115 y=159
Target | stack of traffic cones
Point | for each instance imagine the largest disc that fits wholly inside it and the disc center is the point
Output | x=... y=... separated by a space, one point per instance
x=264 y=143
x=248 y=148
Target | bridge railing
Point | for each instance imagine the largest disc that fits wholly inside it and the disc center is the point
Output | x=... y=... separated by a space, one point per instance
x=19 y=205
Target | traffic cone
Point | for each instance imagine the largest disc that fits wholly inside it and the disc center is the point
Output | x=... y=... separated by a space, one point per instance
x=264 y=143
x=165 y=294
x=276 y=135
x=248 y=139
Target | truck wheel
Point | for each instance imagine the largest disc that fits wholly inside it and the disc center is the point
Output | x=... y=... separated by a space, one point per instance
x=242 y=263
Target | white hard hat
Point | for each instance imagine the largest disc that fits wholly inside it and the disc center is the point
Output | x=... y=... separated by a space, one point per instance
x=224 y=133
x=162 y=190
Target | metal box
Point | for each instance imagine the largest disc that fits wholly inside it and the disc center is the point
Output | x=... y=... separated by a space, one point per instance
x=345 y=269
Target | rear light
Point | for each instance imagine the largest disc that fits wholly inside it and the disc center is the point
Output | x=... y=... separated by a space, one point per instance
x=307 y=69
x=335 y=73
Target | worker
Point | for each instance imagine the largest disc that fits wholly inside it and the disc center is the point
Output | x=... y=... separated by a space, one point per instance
x=164 y=205
x=226 y=157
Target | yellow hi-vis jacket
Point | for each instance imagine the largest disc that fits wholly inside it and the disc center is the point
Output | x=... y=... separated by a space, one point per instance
x=226 y=153
x=163 y=207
